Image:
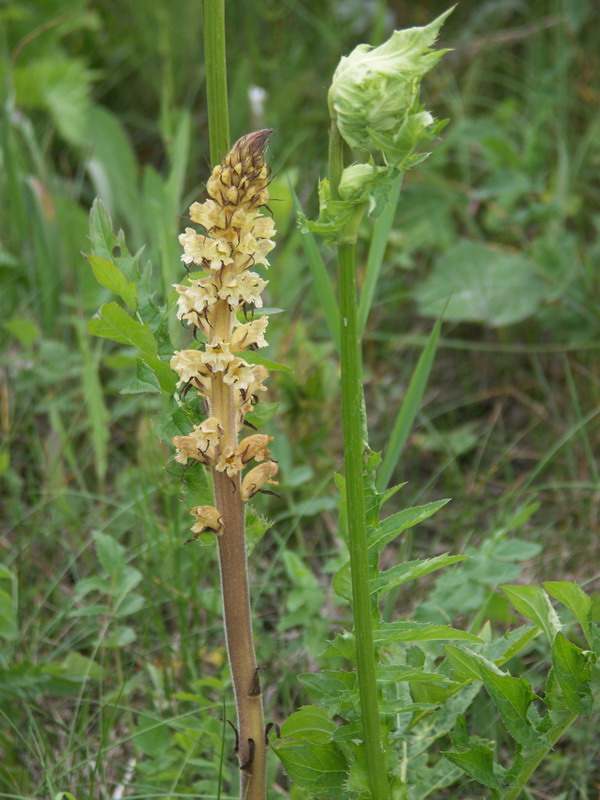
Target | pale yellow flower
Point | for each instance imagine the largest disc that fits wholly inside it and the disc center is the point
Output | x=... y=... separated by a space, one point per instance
x=205 y=251
x=208 y=214
x=254 y=447
x=207 y=519
x=249 y=334
x=229 y=462
x=188 y=364
x=259 y=374
x=243 y=288
x=238 y=373
x=195 y=299
x=258 y=477
x=216 y=355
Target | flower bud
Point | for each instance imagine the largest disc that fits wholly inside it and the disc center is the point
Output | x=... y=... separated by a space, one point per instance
x=375 y=88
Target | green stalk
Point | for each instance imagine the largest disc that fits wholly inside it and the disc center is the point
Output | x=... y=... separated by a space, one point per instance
x=531 y=763
x=353 y=457
x=215 y=65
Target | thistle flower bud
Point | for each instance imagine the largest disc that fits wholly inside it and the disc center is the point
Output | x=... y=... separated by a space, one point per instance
x=374 y=89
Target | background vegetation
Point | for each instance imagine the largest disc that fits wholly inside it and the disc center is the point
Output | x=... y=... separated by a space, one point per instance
x=112 y=678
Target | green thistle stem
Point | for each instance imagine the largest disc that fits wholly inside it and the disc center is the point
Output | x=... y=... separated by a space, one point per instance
x=215 y=65
x=354 y=461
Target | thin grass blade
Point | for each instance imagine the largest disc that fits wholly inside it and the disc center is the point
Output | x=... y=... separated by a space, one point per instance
x=381 y=232
x=409 y=408
x=322 y=282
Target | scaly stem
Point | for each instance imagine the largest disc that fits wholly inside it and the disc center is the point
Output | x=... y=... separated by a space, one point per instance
x=233 y=565
x=353 y=458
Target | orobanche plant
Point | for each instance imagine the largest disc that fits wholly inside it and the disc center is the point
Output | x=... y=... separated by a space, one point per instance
x=391 y=717
x=237 y=238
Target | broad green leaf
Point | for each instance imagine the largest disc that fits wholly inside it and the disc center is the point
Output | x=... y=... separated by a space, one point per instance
x=576 y=600
x=130 y=604
x=110 y=276
x=480 y=283
x=408 y=410
x=24 y=330
x=59 y=85
x=403 y=573
x=145 y=381
x=165 y=376
x=314 y=766
x=392 y=526
x=111 y=554
x=327 y=687
x=310 y=724
x=120 y=636
x=261 y=413
x=572 y=670
x=419 y=632
x=253 y=357
x=151 y=735
x=76 y=665
x=512 y=697
x=113 y=167
x=533 y=603
x=112 y=322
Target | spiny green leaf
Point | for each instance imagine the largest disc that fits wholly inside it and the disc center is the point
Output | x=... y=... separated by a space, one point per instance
x=392 y=526
x=419 y=632
x=403 y=573
x=533 y=602
x=477 y=760
x=466 y=663
x=512 y=697
x=576 y=600
x=572 y=670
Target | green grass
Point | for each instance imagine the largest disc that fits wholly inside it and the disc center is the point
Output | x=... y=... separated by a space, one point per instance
x=94 y=694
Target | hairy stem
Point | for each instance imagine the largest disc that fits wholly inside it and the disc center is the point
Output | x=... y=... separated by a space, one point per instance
x=353 y=459
x=233 y=565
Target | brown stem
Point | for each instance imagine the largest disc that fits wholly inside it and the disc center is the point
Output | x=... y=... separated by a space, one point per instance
x=238 y=634
x=236 y=596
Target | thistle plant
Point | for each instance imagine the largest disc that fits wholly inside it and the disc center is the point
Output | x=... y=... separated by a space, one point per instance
x=220 y=306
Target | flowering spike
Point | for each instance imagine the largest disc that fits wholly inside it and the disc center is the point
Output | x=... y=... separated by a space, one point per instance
x=234 y=237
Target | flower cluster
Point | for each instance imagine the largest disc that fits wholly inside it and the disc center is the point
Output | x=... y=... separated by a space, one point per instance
x=220 y=305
